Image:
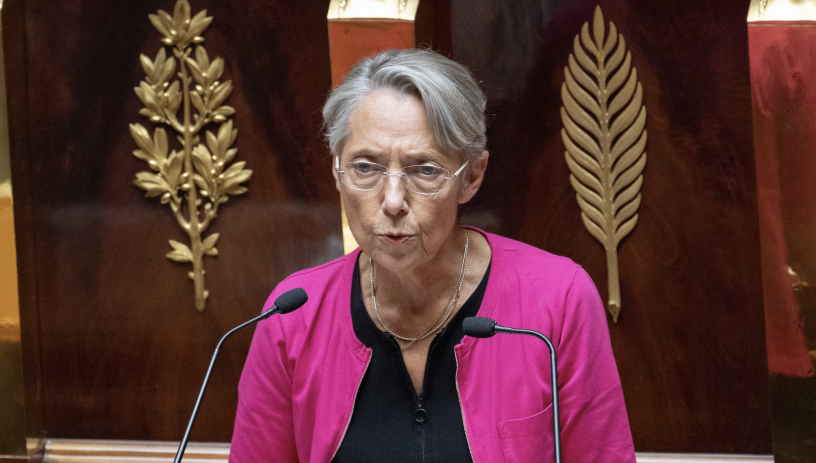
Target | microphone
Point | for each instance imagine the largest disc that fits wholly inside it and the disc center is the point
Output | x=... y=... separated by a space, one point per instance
x=287 y=302
x=480 y=327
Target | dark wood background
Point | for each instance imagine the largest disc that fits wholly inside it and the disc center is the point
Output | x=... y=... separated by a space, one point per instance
x=113 y=345
x=122 y=350
x=690 y=342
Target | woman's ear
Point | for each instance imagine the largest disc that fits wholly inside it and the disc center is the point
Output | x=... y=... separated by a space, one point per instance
x=475 y=177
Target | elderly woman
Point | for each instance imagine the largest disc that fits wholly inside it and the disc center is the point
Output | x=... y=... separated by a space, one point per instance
x=375 y=366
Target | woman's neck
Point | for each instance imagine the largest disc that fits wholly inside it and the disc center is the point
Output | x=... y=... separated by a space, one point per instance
x=411 y=297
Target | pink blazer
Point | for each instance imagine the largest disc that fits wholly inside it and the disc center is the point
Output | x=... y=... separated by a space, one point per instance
x=301 y=377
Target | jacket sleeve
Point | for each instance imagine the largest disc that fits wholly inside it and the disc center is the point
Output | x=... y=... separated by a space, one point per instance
x=594 y=424
x=264 y=430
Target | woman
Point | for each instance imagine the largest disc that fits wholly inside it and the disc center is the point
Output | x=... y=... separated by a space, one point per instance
x=375 y=366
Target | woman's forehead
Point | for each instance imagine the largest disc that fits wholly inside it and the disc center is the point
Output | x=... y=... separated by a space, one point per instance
x=391 y=113
x=386 y=123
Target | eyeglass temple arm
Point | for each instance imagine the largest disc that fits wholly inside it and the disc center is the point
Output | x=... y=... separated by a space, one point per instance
x=460 y=170
x=337 y=165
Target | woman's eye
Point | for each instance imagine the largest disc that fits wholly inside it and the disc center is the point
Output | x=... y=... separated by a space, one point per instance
x=428 y=170
x=363 y=167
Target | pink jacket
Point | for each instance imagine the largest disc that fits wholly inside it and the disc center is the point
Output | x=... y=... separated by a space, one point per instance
x=300 y=380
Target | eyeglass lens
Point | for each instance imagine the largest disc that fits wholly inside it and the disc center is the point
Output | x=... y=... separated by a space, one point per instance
x=364 y=176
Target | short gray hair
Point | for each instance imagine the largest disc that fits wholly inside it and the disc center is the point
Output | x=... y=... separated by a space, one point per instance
x=454 y=103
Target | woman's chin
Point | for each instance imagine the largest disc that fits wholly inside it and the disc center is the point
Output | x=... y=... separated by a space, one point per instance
x=394 y=257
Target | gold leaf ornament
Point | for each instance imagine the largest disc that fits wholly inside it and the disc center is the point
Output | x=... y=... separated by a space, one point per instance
x=605 y=138
x=196 y=179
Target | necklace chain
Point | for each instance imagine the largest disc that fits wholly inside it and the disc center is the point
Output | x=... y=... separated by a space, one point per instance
x=440 y=322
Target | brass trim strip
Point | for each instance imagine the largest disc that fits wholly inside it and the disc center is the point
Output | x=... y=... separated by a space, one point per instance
x=116 y=451
x=782 y=10
x=701 y=458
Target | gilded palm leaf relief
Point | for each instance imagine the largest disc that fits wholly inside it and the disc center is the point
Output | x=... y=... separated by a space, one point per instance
x=202 y=173
x=605 y=138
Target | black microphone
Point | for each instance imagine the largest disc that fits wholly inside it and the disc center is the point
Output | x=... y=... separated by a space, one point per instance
x=480 y=327
x=287 y=302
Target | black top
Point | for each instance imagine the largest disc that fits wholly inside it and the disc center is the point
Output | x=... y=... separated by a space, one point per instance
x=391 y=421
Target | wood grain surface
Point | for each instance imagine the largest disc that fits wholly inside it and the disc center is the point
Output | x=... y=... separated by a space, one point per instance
x=15 y=57
x=690 y=343
x=122 y=349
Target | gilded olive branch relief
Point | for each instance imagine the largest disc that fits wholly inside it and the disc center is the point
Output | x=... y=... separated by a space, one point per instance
x=605 y=138
x=200 y=172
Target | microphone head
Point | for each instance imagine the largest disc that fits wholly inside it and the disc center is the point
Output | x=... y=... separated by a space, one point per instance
x=479 y=327
x=291 y=300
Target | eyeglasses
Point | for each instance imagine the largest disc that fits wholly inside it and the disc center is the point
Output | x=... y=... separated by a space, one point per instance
x=425 y=179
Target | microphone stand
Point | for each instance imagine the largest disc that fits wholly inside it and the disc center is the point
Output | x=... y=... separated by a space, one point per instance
x=183 y=444
x=554 y=379
x=481 y=327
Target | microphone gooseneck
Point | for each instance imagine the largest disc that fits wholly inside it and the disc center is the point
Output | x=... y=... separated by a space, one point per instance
x=287 y=302
x=481 y=327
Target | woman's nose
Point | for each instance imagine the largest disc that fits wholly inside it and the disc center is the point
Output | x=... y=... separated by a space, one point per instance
x=394 y=193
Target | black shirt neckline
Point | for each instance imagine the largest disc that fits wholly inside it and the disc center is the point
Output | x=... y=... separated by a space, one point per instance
x=369 y=333
x=391 y=421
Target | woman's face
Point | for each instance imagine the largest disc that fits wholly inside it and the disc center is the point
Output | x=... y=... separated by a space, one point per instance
x=399 y=228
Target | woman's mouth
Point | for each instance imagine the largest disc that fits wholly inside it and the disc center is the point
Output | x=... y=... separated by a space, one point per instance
x=395 y=239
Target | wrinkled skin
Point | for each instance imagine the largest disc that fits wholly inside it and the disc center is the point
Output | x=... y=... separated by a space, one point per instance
x=392 y=130
x=413 y=240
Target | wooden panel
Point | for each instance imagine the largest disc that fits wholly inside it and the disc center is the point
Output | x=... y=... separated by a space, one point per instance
x=690 y=342
x=432 y=27
x=14 y=48
x=12 y=399
x=122 y=348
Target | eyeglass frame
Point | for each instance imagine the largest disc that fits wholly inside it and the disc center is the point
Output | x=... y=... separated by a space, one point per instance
x=402 y=174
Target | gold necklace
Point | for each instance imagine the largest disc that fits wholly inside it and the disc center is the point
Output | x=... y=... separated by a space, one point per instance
x=441 y=322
